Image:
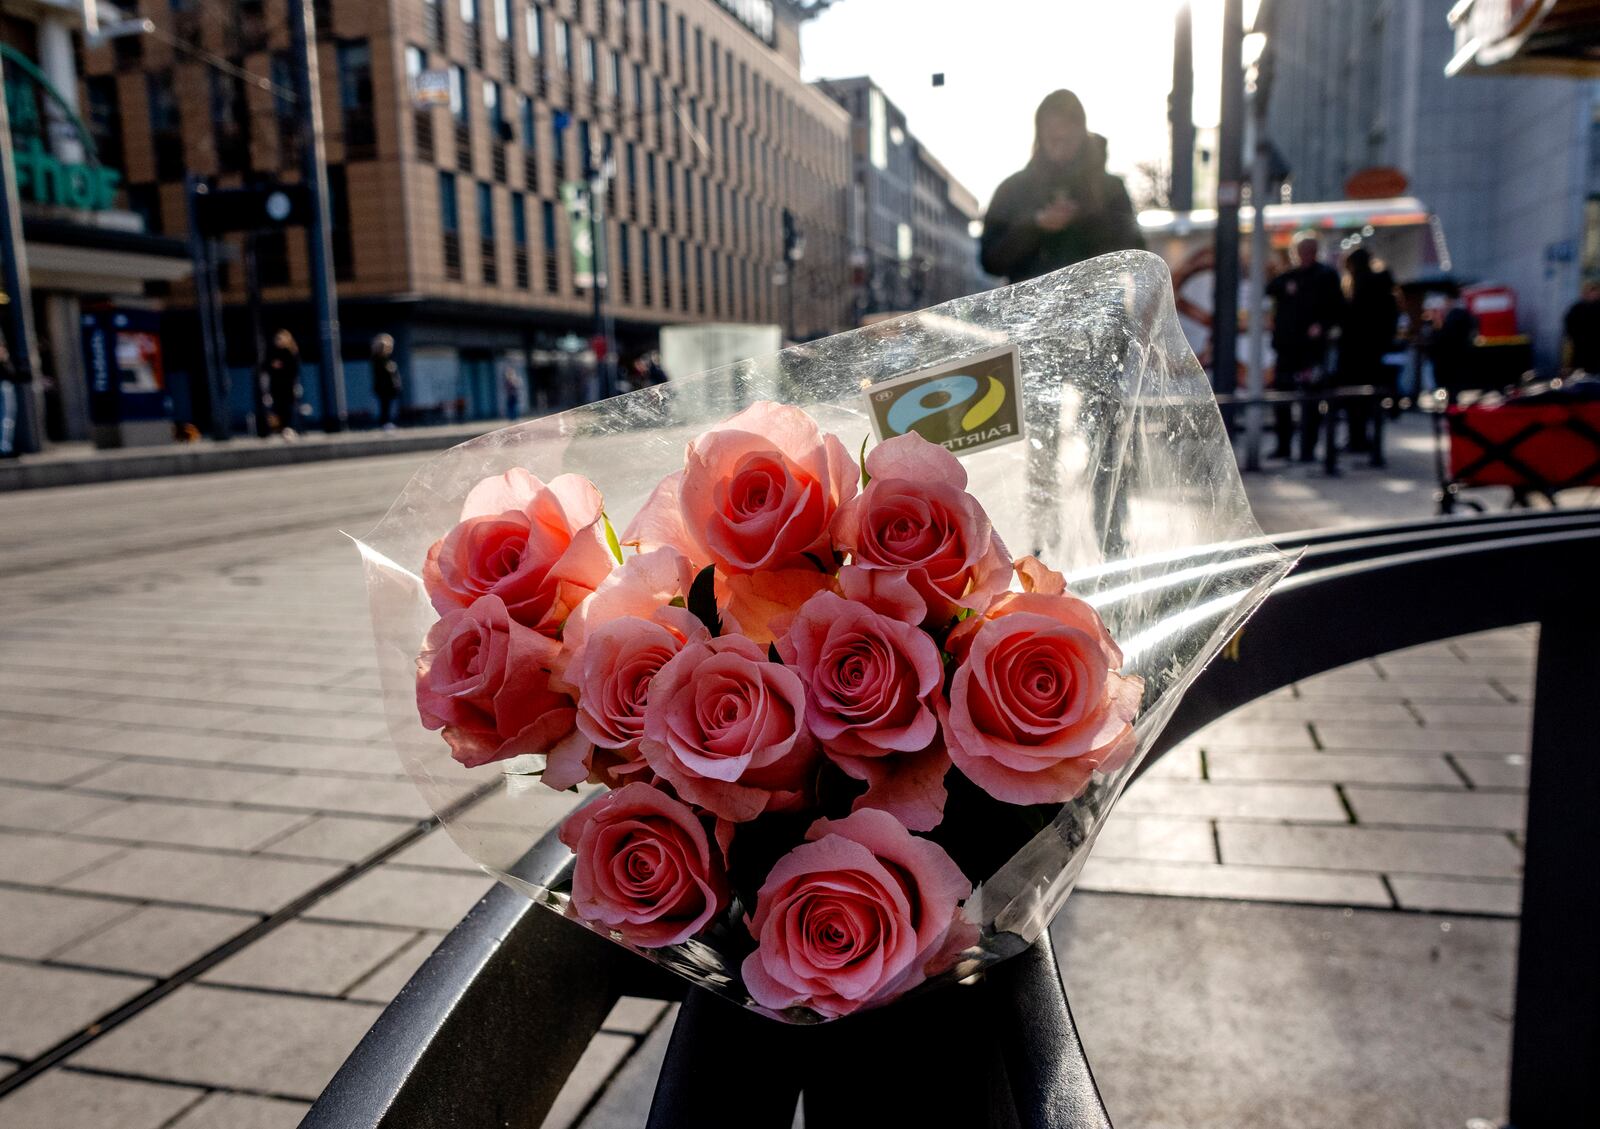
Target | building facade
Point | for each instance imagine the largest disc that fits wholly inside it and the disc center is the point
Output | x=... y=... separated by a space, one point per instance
x=452 y=127
x=1508 y=164
x=911 y=243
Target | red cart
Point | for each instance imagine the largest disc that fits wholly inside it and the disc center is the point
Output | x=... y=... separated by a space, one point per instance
x=1541 y=441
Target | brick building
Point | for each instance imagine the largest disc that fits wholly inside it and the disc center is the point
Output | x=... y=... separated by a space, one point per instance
x=449 y=231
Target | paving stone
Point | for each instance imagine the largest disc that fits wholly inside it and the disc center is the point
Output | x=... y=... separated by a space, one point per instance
x=338 y=838
x=1250 y=883
x=1233 y=1015
x=35 y=924
x=337 y=794
x=48 y=809
x=384 y=984
x=521 y=802
x=213 y=748
x=187 y=825
x=1238 y=800
x=634 y=1016
x=49 y=766
x=41 y=860
x=377 y=759
x=167 y=713
x=234 y=1039
x=307 y=957
x=1127 y=835
x=36 y=735
x=1291 y=710
x=422 y=899
x=436 y=849
x=157 y=940
x=238 y=1111
x=1433 y=739
x=598 y=1063
x=1451 y=896
x=627 y=1096
x=45 y=1005
x=66 y=1099
x=1482 y=692
x=1257 y=734
x=1468 y=854
x=1182 y=763
x=180 y=782
x=1332 y=768
x=1507 y=771
x=354 y=727
x=1503 y=715
x=197 y=878
x=1417 y=808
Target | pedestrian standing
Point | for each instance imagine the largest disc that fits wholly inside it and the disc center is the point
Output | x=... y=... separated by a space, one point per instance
x=385 y=379
x=10 y=391
x=1447 y=340
x=511 y=386
x=1062 y=208
x=283 y=381
x=1307 y=306
x=1583 y=329
x=1371 y=316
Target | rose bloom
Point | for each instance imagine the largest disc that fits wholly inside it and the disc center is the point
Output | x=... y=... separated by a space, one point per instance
x=870 y=686
x=1036 y=705
x=726 y=729
x=620 y=661
x=756 y=495
x=484 y=679
x=645 y=867
x=861 y=911
x=920 y=546
x=539 y=547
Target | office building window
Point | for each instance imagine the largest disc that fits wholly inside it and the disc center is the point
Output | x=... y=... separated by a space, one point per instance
x=591 y=60
x=519 y=239
x=450 y=225
x=502 y=19
x=355 y=100
x=166 y=134
x=624 y=264
x=683 y=276
x=564 y=45
x=699 y=280
x=421 y=116
x=486 y=243
x=344 y=257
x=535 y=32
x=547 y=215
x=432 y=22
x=645 y=284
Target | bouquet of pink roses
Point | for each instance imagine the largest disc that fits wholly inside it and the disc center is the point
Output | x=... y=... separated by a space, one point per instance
x=835 y=739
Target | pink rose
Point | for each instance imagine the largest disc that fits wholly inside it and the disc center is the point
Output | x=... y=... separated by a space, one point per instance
x=645 y=867
x=484 y=679
x=726 y=729
x=757 y=494
x=1036 y=705
x=871 y=682
x=860 y=912
x=920 y=546
x=540 y=548
x=620 y=661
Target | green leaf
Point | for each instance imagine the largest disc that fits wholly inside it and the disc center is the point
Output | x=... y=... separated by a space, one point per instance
x=677 y=602
x=964 y=614
x=865 y=477
x=703 y=600
x=611 y=537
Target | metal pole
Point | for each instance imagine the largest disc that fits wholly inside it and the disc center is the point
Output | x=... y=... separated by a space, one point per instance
x=19 y=308
x=324 y=296
x=258 y=338
x=1225 y=304
x=1180 y=111
x=212 y=351
x=1257 y=304
x=598 y=285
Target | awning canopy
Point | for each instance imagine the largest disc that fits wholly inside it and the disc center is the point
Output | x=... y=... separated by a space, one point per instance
x=84 y=259
x=1548 y=37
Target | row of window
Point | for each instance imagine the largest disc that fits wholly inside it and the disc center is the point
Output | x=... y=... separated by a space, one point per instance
x=649 y=280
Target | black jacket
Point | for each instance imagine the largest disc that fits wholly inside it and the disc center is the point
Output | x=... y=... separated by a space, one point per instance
x=385 y=377
x=1016 y=248
x=1304 y=297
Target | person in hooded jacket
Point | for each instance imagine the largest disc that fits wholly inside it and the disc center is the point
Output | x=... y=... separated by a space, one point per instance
x=1063 y=207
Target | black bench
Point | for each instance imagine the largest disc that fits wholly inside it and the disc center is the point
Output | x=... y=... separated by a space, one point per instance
x=490 y=1027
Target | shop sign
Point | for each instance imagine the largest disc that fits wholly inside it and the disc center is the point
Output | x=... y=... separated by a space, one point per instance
x=42 y=177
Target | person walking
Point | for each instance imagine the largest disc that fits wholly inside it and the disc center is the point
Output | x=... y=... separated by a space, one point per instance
x=1371 y=316
x=1307 y=306
x=385 y=379
x=1582 y=324
x=1062 y=208
x=283 y=381
x=10 y=392
x=511 y=388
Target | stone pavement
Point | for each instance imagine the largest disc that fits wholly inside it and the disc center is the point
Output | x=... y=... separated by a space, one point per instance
x=213 y=874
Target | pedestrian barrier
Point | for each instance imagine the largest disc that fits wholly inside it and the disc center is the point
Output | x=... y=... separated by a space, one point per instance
x=491 y=1026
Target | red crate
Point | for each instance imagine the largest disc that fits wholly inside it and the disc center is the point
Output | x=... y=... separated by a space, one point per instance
x=1545 y=447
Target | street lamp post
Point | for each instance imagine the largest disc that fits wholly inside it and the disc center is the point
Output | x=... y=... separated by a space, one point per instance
x=324 y=298
x=1225 y=303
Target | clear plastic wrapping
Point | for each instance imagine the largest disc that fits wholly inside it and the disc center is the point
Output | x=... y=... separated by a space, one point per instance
x=1124 y=481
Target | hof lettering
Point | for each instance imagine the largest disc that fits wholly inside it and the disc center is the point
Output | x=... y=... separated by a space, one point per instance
x=963 y=405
